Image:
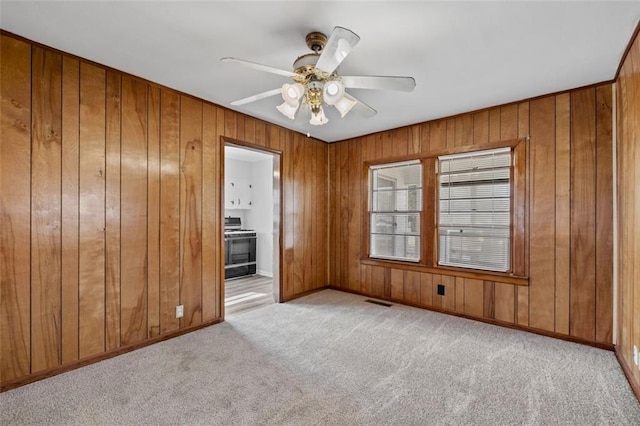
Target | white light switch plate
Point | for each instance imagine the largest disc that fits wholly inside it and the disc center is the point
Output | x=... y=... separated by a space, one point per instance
x=179 y=311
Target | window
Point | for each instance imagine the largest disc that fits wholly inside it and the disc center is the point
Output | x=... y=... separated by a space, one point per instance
x=474 y=220
x=395 y=205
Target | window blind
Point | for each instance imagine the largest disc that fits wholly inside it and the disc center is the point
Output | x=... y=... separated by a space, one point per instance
x=395 y=205
x=474 y=216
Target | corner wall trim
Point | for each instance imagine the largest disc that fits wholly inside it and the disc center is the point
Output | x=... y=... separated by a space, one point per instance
x=635 y=386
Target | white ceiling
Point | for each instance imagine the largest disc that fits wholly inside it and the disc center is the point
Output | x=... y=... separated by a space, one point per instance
x=463 y=55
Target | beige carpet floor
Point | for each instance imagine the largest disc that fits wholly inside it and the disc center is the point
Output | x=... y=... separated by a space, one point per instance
x=332 y=358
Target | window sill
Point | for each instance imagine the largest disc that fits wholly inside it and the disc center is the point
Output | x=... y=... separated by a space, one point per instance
x=448 y=270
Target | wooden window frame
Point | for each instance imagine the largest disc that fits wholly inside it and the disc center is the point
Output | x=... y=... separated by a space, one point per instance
x=429 y=217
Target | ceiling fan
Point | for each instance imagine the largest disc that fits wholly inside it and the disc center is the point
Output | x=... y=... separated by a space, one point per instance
x=315 y=79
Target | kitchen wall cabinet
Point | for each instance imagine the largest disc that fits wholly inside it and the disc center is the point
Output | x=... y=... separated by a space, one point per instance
x=238 y=194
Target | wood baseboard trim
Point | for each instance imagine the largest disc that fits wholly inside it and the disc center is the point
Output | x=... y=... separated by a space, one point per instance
x=626 y=369
x=304 y=293
x=546 y=333
x=40 y=375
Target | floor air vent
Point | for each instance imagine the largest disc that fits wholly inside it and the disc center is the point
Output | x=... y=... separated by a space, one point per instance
x=377 y=302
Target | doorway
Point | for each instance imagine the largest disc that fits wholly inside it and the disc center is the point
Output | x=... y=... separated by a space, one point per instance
x=252 y=213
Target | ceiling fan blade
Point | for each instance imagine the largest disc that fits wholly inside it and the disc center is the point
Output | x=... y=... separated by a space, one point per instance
x=260 y=67
x=361 y=108
x=402 y=84
x=257 y=97
x=339 y=45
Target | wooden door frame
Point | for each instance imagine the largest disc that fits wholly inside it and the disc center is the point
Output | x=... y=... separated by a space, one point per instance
x=277 y=216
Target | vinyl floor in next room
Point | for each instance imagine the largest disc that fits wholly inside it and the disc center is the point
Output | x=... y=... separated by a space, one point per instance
x=247 y=293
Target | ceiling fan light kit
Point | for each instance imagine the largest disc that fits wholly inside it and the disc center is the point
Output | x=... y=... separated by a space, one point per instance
x=316 y=81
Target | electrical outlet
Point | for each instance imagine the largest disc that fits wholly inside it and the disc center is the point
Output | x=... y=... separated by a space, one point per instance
x=441 y=289
x=179 y=311
x=636 y=361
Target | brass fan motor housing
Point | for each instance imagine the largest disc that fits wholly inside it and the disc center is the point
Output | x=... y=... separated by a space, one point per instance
x=316 y=41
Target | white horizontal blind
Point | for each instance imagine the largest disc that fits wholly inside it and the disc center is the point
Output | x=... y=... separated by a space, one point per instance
x=395 y=204
x=475 y=209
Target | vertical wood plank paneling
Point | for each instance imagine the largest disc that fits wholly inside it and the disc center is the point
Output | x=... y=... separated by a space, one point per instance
x=481 y=127
x=249 y=129
x=604 y=216
x=343 y=220
x=91 y=263
x=333 y=209
x=324 y=215
x=473 y=297
x=464 y=130
x=426 y=289
x=289 y=213
x=15 y=194
x=239 y=119
x=260 y=133
x=153 y=209
x=46 y=165
x=460 y=293
x=400 y=141
x=628 y=182
x=624 y=163
x=450 y=132
x=438 y=135
x=112 y=216
x=436 y=299
x=509 y=122
x=355 y=214
x=319 y=199
x=505 y=302
x=307 y=178
x=489 y=300
x=70 y=207
x=583 y=203
x=191 y=210
x=494 y=124
x=449 y=298
x=298 y=215
x=412 y=287
x=522 y=292
x=365 y=279
x=211 y=220
x=415 y=139
x=111 y=145
x=387 y=144
x=397 y=284
x=425 y=137
x=169 y=210
x=563 y=212
x=633 y=315
x=537 y=305
x=542 y=211
x=230 y=124
x=88 y=202
x=520 y=204
x=378 y=281
x=134 y=214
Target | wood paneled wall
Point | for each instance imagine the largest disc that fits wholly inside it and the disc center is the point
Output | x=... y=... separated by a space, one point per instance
x=628 y=144
x=568 y=216
x=111 y=209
